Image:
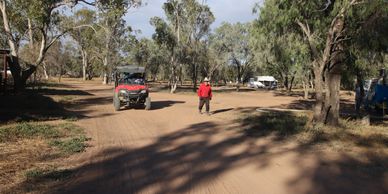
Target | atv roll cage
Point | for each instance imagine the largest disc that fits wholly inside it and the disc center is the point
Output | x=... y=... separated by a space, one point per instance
x=129 y=75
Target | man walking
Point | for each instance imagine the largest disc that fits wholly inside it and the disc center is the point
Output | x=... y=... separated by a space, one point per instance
x=205 y=95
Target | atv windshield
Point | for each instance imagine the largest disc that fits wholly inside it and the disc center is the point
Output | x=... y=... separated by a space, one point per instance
x=131 y=78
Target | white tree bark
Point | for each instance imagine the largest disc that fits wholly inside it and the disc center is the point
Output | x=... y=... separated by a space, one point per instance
x=107 y=51
x=11 y=42
x=46 y=76
x=30 y=35
x=84 y=63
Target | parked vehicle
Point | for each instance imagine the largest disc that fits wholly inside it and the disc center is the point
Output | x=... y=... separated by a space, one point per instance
x=130 y=87
x=268 y=82
x=376 y=93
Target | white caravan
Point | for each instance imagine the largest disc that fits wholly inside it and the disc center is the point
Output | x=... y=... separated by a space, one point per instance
x=268 y=82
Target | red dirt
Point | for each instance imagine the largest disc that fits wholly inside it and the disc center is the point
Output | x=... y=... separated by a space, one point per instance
x=173 y=149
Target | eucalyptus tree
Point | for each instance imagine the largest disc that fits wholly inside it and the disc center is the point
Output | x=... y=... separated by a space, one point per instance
x=147 y=53
x=232 y=43
x=85 y=37
x=187 y=26
x=40 y=20
x=165 y=37
x=196 y=31
x=328 y=28
x=283 y=55
x=369 y=47
x=111 y=13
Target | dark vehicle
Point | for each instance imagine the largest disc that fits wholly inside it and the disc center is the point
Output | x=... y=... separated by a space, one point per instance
x=130 y=87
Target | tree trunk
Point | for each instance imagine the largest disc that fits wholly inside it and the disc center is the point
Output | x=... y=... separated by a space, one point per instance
x=291 y=83
x=238 y=77
x=30 y=35
x=195 y=76
x=84 y=55
x=318 y=81
x=20 y=76
x=360 y=93
x=11 y=43
x=105 y=75
x=60 y=73
x=305 y=89
x=173 y=87
x=195 y=79
x=46 y=76
x=174 y=77
x=332 y=100
x=285 y=83
x=106 y=57
x=311 y=84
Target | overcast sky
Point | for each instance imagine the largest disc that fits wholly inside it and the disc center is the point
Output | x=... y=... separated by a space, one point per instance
x=224 y=10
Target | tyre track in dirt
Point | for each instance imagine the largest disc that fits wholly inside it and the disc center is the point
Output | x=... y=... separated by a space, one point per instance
x=163 y=148
x=173 y=149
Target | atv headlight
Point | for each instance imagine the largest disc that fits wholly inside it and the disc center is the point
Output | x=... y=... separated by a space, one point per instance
x=122 y=92
x=143 y=91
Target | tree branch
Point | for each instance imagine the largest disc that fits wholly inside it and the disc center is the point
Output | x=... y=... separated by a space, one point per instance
x=306 y=30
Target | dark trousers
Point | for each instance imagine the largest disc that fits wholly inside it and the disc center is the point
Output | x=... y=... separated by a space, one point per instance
x=203 y=101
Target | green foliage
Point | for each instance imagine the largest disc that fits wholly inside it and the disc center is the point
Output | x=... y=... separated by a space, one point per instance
x=163 y=34
x=66 y=136
x=277 y=23
x=71 y=146
x=149 y=54
x=184 y=34
x=50 y=173
x=28 y=130
x=231 y=43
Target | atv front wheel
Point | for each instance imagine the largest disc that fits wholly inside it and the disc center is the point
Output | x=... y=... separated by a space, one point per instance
x=116 y=103
x=147 y=103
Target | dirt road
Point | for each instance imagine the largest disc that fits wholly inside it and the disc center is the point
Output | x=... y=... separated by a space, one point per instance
x=173 y=149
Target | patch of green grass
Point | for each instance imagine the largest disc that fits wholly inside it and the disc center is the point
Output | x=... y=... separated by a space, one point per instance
x=71 y=119
x=66 y=99
x=48 y=84
x=47 y=174
x=28 y=130
x=68 y=137
x=71 y=146
x=71 y=128
x=281 y=124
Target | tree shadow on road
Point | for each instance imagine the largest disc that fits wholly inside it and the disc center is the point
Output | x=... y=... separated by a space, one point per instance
x=182 y=161
x=40 y=105
x=279 y=124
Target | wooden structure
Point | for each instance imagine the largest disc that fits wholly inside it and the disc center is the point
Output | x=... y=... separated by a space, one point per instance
x=3 y=69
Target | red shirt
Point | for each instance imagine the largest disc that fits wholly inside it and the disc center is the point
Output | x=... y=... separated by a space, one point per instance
x=205 y=91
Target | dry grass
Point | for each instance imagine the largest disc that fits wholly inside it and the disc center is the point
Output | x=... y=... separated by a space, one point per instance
x=32 y=152
x=351 y=135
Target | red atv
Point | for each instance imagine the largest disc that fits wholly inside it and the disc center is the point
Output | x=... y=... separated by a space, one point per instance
x=130 y=87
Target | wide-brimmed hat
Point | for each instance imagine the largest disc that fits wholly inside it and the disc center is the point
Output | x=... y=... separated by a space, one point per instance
x=206 y=79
